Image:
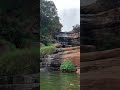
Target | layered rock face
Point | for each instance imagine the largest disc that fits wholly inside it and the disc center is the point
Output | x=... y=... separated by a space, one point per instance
x=100 y=70
x=100 y=6
x=102 y=28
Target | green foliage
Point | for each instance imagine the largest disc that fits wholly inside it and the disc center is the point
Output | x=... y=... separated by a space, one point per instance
x=67 y=65
x=76 y=28
x=46 y=50
x=14 y=33
x=49 y=21
x=18 y=20
x=6 y=46
x=20 y=62
x=45 y=39
x=42 y=45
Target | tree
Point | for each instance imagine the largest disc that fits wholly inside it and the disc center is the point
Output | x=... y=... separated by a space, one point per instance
x=49 y=21
x=18 y=20
x=76 y=28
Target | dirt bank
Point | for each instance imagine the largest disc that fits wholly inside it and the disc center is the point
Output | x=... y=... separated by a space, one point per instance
x=73 y=54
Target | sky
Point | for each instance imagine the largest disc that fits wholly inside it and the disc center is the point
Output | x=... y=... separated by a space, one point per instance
x=69 y=13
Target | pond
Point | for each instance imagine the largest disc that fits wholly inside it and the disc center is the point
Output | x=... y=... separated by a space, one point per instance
x=59 y=81
x=20 y=82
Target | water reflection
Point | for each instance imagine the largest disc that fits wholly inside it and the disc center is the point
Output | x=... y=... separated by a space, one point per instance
x=19 y=87
x=59 y=81
x=22 y=82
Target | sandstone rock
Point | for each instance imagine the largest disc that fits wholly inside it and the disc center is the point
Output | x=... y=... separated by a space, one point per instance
x=73 y=54
x=57 y=45
x=100 y=6
x=87 y=48
x=78 y=71
x=100 y=26
x=101 y=29
x=100 y=55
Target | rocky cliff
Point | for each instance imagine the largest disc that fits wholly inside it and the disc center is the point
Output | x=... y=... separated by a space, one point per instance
x=100 y=6
x=101 y=28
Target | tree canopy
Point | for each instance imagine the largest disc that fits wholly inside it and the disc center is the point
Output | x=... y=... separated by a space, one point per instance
x=49 y=21
x=18 y=20
x=76 y=28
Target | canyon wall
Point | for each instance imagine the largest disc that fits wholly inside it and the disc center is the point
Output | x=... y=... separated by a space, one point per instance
x=101 y=28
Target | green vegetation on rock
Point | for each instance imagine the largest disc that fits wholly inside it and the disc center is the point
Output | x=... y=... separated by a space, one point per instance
x=49 y=21
x=67 y=65
x=6 y=46
x=23 y=61
x=19 y=22
x=46 y=50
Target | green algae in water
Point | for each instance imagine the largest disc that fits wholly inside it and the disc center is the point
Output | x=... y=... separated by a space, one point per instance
x=59 y=81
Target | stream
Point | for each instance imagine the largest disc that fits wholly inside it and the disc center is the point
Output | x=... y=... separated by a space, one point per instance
x=56 y=80
x=21 y=82
x=52 y=79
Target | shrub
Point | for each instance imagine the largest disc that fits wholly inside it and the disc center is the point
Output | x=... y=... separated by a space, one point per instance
x=6 y=46
x=42 y=45
x=46 y=50
x=67 y=66
x=20 y=62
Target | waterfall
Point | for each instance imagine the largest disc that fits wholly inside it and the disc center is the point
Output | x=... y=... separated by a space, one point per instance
x=52 y=61
x=46 y=63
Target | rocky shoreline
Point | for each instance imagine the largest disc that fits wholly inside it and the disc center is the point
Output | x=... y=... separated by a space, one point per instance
x=53 y=61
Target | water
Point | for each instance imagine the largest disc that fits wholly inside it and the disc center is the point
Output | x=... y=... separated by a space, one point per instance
x=59 y=81
x=20 y=82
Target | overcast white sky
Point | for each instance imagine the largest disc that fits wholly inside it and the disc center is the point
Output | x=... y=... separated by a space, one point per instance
x=69 y=13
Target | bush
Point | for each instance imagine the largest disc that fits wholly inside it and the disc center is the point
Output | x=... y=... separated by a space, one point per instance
x=46 y=50
x=67 y=66
x=20 y=62
x=42 y=45
x=6 y=46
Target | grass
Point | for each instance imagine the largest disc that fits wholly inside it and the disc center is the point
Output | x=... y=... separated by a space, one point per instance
x=46 y=50
x=23 y=61
x=20 y=62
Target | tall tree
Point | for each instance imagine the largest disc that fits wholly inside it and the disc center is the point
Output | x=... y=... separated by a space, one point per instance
x=18 y=20
x=76 y=28
x=49 y=20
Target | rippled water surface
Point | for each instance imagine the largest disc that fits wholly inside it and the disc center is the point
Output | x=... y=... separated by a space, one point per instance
x=59 y=81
